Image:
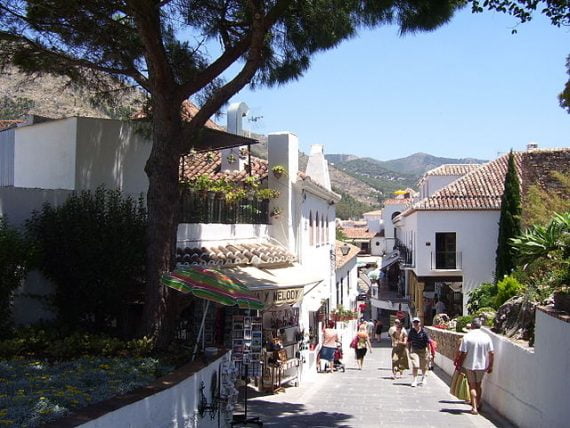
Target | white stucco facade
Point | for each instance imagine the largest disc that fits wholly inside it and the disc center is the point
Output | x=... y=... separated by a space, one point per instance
x=476 y=241
x=81 y=154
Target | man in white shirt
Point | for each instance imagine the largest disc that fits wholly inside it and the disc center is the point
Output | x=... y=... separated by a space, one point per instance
x=476 y=357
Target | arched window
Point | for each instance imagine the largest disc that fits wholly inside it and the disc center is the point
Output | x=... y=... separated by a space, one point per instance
x=311 y=243
x=318 y=234
x=323 y=230
x=327 y=231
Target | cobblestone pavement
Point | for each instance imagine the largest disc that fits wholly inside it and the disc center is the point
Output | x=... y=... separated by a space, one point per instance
x=369 y=398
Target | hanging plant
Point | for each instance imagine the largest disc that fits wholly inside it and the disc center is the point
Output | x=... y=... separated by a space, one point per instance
x=209 y=157
x=231 y=158
x=243 y=152
x=278 y=171
x=275 y=212
x=251 y=181
x=266 y=194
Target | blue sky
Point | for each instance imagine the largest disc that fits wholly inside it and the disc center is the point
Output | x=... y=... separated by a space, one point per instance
x=468 y=89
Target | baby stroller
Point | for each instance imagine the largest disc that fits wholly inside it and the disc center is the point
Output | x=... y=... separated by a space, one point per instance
x=338 y=365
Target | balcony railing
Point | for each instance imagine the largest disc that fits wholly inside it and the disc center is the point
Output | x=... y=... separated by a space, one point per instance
x=406 y=254
x=446 y=260
x=209 y=207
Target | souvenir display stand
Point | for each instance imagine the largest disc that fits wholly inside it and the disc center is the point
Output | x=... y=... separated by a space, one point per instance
x=281 y=363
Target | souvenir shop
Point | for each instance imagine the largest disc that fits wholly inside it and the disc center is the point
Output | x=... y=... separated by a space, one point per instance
x=267 y=343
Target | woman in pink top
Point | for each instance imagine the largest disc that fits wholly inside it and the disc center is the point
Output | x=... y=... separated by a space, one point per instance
x=330 y=338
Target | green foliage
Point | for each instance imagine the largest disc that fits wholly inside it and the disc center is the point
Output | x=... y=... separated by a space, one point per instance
x=14 y=261
x=15 y=108
x=488 y=315
x=482 y=297
x=462 y=322
x=93 y=249
x=49 y=343
x=544 y=256
x=540 y=203
x=339 y=234
x=506 y=288
x=509 y=222
x=348 y=207
x=232 y=191
x=564 y=96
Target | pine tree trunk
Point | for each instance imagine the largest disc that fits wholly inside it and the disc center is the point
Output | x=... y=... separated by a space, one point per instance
x=160 y=313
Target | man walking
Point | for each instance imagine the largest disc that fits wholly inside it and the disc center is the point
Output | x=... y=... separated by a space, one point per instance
x=418 y=346
x=476 y=357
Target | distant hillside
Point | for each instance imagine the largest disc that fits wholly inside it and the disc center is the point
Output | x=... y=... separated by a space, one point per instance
x=419 y=163
x=389 y=176
x=334 y=159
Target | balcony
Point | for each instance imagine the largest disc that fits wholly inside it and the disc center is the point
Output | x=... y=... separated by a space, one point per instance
x=210 y=207
x=406 y=255
x=446 y=260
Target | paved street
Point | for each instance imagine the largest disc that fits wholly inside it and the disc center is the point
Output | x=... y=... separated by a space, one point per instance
x=368 y=398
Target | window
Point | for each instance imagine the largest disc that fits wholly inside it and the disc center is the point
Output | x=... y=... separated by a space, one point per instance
x=311 y=243
x=445 y=250
x=322 y=229
x=327 y=231
x=342 y=291
x=318 y=234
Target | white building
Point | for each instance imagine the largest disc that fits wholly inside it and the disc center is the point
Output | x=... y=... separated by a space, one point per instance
x=448 y=239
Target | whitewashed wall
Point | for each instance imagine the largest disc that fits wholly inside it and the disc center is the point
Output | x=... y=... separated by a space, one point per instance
x=174 y=407
x=529 y=386
x=433 y=183
x=476 y=234
x=54 y=143
x=214 y=234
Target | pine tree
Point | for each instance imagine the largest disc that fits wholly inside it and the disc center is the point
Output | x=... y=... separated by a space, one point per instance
x=510 y=221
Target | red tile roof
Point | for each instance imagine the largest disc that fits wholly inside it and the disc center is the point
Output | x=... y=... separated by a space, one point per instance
x=258 y=254
x=358 y=233
x=481 y=189
x=453 y=169
x=340 y=259
x=8 y=123
x=210 y=163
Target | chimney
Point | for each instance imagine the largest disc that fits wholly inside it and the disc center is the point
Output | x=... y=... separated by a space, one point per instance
x=283 y=150
x=531 y=146
x=233 y=158
x=318 y=167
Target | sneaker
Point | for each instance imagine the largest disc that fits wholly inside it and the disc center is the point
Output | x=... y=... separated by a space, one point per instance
x=414 y=383
x=424 y=380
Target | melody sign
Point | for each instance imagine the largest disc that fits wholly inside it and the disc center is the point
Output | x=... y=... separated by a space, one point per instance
x=280 y=296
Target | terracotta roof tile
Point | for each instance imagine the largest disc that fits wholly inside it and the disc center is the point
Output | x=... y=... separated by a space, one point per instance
x=8 y=123
x=357 y=233
x=453 y=169
x=258 y=254
x=480 y=189
x=340 y=259
x=210 y=163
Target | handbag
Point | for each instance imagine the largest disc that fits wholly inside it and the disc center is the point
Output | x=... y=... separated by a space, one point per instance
x=464 y=392
x=354 y=342
x=454 y=383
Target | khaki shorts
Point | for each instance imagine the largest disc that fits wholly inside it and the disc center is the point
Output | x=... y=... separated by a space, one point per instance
x=419 y=359
x=475 y=376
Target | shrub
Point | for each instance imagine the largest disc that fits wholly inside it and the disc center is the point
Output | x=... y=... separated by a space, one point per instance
x=487 y=315
x=93 y=249
x=507 y=288
x=14 y=260
x=462 y=322
x=482 y=297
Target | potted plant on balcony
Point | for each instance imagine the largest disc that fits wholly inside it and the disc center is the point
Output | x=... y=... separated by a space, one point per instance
x=231 y=158
x=243 y=152
x=266 y=194
x=276 y=212
x=278 y=171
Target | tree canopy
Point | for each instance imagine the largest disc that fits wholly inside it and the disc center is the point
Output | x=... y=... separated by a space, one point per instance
x=166 y=48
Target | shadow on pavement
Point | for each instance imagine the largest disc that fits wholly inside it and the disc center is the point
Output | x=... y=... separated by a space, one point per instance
x=295 y=415
x=455 y=411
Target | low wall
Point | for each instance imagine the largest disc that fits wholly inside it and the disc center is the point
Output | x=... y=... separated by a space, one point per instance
x=171 y=401
x=528 y=386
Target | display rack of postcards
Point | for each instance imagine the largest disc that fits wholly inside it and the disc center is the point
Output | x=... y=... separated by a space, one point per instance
x=247 y=342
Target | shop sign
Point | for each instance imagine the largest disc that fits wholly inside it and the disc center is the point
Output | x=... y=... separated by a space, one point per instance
x=280 y=296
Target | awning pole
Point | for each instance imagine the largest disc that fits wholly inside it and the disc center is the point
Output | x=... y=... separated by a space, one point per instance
x=200 y=331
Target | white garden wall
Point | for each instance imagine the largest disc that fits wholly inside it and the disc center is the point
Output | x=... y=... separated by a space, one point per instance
x=173 y=407
x=530 y=386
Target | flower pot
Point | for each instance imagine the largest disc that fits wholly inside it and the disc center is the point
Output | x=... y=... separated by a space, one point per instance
x=562 y=301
